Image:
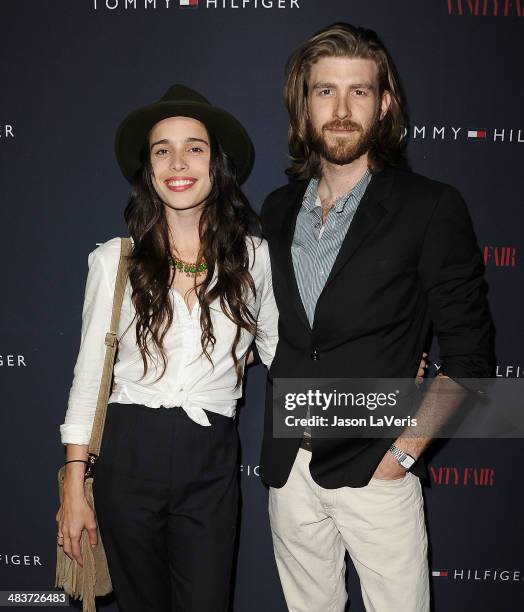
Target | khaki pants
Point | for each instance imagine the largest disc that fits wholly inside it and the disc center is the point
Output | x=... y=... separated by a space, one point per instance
x=381 y=526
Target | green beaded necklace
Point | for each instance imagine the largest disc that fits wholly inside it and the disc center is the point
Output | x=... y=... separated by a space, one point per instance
x=189 y=269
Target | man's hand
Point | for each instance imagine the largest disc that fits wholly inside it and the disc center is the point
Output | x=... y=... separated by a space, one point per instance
x=440 y=403
x=389 y=468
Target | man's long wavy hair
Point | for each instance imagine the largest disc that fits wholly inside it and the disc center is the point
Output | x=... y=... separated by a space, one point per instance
x=225 y=223
x=341 y=40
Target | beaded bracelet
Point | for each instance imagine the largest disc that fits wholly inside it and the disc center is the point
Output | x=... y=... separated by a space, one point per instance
x=73 y=460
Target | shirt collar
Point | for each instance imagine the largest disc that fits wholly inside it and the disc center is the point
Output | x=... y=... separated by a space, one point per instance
x=312 y=200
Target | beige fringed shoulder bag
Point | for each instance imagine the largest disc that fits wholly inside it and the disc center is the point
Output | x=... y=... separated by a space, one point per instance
x=93 y=578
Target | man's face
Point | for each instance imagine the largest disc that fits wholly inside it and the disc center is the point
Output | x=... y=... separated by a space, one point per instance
x=344 y=108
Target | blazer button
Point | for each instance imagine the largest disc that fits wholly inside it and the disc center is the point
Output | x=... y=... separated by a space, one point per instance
x=315 y=355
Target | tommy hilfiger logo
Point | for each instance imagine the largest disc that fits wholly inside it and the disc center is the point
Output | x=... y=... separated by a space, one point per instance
x=476 y=574
x=440 y=573
x=449 y=132
x=12 y=361
x=250 y=470
x=509 y=371
x=152 y=5
x=480 y=134
x=19 y=559
x=6 y=131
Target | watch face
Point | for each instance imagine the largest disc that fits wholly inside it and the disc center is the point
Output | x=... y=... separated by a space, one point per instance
x=407 y=462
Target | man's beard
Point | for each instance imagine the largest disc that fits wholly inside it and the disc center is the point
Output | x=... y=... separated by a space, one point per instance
x=344 y=149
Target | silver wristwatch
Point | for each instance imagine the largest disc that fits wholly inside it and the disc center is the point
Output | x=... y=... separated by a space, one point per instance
x=405 y=460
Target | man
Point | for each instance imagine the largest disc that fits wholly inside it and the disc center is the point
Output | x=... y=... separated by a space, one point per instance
x=367 y=258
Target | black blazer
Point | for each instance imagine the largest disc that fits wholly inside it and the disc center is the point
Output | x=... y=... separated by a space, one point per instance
x=409 y=265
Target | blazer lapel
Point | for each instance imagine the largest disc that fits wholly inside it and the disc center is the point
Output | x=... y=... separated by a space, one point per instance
x=286 y=238
x=367 y=216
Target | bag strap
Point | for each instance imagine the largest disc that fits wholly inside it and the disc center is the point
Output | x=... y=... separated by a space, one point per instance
x=111 y=342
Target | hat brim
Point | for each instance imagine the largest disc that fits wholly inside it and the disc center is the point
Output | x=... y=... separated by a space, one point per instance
x=133 y=132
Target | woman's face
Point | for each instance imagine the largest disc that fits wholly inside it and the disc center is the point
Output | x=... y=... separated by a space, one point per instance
x=180 y=153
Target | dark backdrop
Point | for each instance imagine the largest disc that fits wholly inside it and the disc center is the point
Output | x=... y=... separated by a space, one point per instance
x=70 y=70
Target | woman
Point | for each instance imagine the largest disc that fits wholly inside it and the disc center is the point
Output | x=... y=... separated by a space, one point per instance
x=199 y=292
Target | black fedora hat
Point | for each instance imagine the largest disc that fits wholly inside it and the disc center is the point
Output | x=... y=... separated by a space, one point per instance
x=180 y=100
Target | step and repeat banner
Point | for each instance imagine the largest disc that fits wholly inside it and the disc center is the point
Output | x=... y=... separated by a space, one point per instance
x=72 y=69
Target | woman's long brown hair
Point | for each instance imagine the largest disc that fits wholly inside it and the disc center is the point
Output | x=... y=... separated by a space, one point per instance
x=342 y=40
x=226 y=223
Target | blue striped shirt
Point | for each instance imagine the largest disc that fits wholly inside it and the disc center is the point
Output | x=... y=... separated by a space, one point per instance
x=315 y=246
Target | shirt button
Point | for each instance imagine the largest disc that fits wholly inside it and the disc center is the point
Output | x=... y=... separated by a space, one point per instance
x=315 y=355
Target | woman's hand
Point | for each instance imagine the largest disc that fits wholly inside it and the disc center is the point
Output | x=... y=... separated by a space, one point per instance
x=75 y=514
x=72 y=517
x=422 y=367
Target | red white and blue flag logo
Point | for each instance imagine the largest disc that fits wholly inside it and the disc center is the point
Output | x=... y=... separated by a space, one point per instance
x=477 y=134
x=189 y=3
x=440 y=573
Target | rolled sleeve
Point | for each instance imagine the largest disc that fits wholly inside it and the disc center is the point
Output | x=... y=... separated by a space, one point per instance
x=96 y=319
x=451 y=271
x=267 y=322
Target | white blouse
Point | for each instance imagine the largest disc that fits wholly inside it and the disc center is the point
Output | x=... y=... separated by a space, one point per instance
x=190 y=380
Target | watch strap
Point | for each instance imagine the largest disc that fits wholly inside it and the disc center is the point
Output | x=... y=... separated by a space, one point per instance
x=403 y=458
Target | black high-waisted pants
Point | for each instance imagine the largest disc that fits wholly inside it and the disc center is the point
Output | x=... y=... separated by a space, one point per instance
x=166 y=500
